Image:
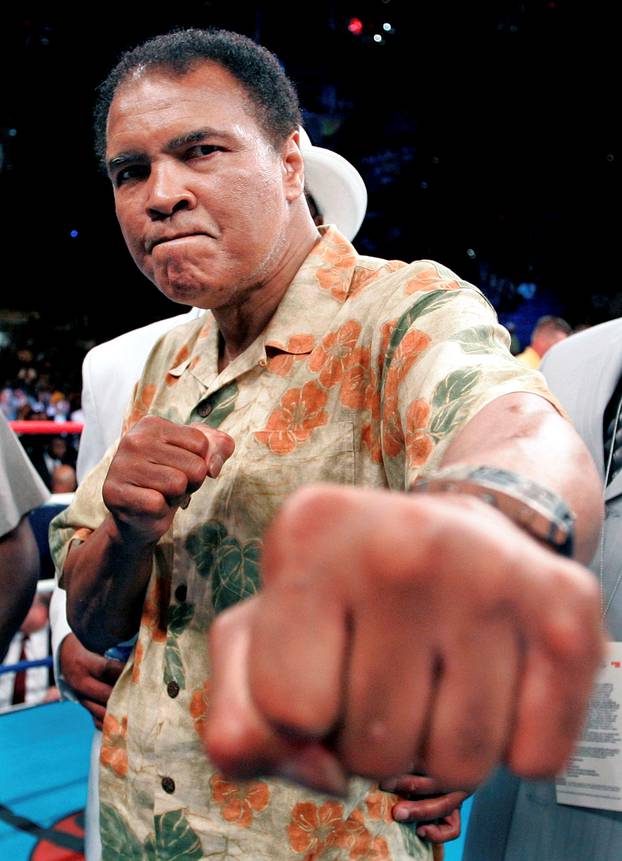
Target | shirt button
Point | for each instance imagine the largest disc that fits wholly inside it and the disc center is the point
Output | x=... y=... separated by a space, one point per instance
x=181 y=593
x=168 y=785
x=204 y=409
x=172 y=689
x=263 y=363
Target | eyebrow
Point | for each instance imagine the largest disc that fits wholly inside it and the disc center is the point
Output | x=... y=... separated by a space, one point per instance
x=136 y=157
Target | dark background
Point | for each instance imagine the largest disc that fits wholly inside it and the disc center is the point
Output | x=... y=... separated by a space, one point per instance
x=484 y=132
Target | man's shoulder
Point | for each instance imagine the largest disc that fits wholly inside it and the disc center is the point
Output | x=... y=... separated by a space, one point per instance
x=396 y=284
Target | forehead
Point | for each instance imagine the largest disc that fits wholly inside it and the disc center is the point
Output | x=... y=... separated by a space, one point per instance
x=158 y=100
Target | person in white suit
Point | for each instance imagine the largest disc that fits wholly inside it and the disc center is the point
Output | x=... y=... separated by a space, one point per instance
x=521 y=820
x=109 y=372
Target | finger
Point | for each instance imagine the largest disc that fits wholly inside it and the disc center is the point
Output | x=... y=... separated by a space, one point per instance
x=189 y=438
x=473 y=708
x=110 y=672
x=220 y=448
x=442 y=831
x=558 y=679
x=94 y=689
x=383 y=720
x=237 y=737
x=428 y=808
x=97 y=710
x=298 y=688
x=412 y=784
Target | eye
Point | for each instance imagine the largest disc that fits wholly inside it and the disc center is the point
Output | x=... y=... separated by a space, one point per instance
x=129 y=173
x=202 y=150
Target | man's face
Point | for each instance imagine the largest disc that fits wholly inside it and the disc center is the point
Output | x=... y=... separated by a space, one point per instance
x=201 y=195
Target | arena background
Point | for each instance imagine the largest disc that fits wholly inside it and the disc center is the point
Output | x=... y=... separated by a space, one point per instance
x=484 y=132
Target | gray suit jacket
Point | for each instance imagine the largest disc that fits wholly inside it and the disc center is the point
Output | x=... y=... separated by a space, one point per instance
x=519 y=820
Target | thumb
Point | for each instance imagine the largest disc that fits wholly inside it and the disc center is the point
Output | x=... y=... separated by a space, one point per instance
x=221 y=447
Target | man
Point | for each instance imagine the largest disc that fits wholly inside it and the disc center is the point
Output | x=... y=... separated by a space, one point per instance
x=314 y=364
x=336 y=194
x=21 y=490
x=514 y=820
x=547 y=332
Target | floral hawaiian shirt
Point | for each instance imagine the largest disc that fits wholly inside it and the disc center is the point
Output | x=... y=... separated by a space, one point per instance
x=362 y=377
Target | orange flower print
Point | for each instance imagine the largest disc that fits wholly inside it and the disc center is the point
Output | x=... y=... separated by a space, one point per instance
x=183 y=354
x=114 y=745
x=378 y=850
x=408 y=351
x=155 y=609
x=430 y=279
x=379 y=805
x=140 y=406
x=392 y=432
x=386 y=333
x=239 y=801
x=301 y=411
x=297 y=346
x=314 y=827
x=281 y=364
x=340 y=259
x=370 y=435
x=138 y=659
x=353 y=835
x=410 y=348
x=362 y=278
x=332 y=356
x=358 y=380
x=418 y=442
x=198 y=706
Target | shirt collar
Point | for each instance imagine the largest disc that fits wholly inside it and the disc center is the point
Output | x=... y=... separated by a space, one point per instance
x=302 y=318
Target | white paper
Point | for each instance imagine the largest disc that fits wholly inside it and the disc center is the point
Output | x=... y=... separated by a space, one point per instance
x=593 y=777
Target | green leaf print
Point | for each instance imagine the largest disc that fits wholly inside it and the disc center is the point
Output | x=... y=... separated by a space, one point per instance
x=174 y=839
x=425 y=305
x=450 y=400
x=179 y=617
x=414 y=845
x=202 y=544
x=119 y=843
x=477 y=339
x=236 y=572
x=223 y=403
x=173 y=664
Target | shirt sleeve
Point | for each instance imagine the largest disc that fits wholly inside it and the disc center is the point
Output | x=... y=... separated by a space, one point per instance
x=445 y=358
x=21 y=489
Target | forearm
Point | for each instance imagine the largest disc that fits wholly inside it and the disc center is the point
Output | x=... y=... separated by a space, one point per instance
x=19 y=570
x=106 y=577
x=523 y=433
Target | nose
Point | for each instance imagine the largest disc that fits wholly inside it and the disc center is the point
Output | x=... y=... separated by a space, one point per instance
x=168 y=191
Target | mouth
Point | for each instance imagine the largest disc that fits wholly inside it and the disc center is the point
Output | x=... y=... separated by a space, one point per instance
x=151 y=243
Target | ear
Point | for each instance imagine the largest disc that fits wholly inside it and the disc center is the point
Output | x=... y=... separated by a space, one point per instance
x=293 y=167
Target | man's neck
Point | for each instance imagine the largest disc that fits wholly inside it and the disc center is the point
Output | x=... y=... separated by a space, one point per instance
x=241 y=324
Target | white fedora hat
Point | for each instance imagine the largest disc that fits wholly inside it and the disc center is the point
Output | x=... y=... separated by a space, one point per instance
x=336 y=186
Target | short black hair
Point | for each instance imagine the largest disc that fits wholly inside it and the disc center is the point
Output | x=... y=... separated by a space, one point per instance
x=271 y=94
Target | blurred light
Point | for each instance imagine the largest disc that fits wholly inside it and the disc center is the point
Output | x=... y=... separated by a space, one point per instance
x=386 y=27
x=12 y=133
x=423 y=184
x=355 y=26
x=73 y=233
x=377 y=38
x=471 y=253
x=610 y=156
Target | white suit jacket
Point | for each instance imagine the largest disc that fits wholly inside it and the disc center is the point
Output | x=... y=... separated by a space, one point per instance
x=520 y=820
x=109 y=373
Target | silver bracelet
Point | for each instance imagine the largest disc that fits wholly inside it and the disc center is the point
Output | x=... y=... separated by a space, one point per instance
x=534 y=508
